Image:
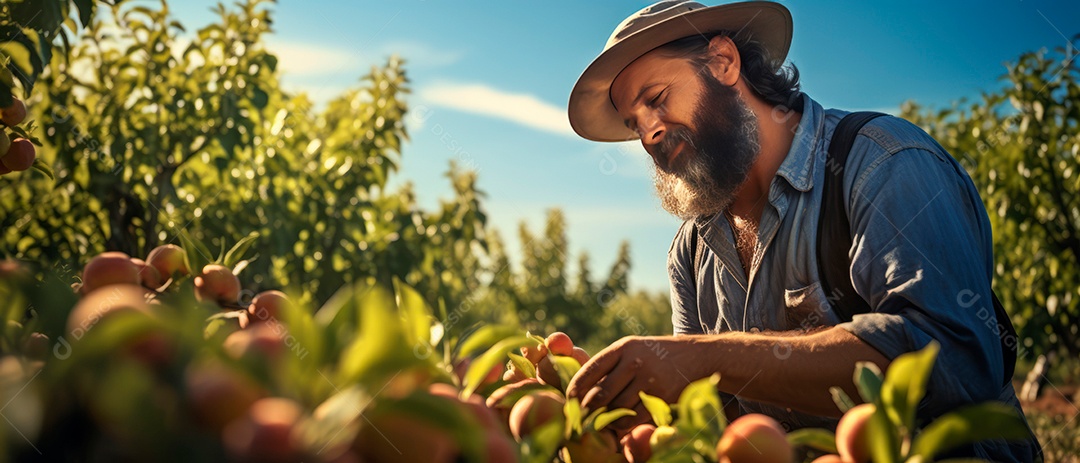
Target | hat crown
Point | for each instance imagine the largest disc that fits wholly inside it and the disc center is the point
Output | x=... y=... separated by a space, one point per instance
x=653 y=14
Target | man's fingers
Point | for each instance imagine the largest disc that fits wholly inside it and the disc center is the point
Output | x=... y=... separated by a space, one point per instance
x=596 y=368
x=611 y=386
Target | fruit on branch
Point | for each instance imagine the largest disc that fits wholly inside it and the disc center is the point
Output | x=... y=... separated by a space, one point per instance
x=94 y=307
x=545 y=370
x=266 y=433
x=560 y=344
x=635 y=444
x=535 y=353
x=216 y=283
x=218 y=394
x=828 y=459
x=852 y=441
x=258 y=343
x=14 y=114
x=580 y=355
x=109 y=268
x=592 y=446
x=266 y=306
x=148 y=275
x=20 y=156
x=398 y=437
x=754 y=438
x=168 y=259
x=535 y=410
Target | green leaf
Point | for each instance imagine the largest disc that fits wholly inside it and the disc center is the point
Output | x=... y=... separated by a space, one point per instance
x=381 y=348
x=415 y=312
x=884 y=437
x=44 y=168
x=699 y=403
x=660 y=411
x=544 y=443
x=523 y=365
x=990 y=420
x=494 y=356
x=606 y=418
x=905 y=384
x=196 y=253
x=485 y=337
x=572 y=412
x=566 y=367
x=236 y=253
x=843 y=402
x=868 y=380
x=819 y=439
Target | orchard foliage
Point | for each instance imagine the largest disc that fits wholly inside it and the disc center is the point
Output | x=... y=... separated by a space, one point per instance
x=1020 y=145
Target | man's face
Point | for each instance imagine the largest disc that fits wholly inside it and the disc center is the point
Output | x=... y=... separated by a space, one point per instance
x=702 y=137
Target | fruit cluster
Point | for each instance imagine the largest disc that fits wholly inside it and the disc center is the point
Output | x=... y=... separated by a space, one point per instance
x=16 y=154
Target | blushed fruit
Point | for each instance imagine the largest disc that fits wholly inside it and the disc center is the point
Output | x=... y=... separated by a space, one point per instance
x=502 y=399
x=259 y=343
x=754 y=438
x=148 y=275
x=218 y=394
x=535 y=353
x=4 y=169
x=533 y=411
x=580 y=355
x=400 y=437
x=499 y=448
x=265 y=433
x=851 y=436
x=168 y=259
x=828 y=459
x=20 y=156
x=267 y=305
x=545 y=370
x=592 y=446
x=560 y=344
x=14 y=114
x=216 y=283
x=635 y=444
x=513 y=375
x=105 y=302
x=109 y=268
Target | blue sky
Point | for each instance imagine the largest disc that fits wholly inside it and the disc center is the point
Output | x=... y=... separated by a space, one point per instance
x=491 y=81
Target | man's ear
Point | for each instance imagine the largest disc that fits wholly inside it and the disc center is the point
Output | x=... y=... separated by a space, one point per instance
x=725 y=63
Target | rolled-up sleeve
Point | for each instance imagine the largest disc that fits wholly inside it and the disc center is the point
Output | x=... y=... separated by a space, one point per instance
x=684 y=313
x=922 y=257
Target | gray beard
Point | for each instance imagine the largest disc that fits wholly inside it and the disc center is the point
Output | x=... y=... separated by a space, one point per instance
x=699 y=190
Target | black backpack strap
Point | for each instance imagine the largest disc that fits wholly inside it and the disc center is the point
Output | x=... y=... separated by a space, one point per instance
x=834 y=230
x=834 y=241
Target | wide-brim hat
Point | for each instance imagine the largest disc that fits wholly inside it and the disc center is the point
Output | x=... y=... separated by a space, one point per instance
x=592 y=114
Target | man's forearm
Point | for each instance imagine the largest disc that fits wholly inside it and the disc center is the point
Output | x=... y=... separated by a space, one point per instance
x=789 y=371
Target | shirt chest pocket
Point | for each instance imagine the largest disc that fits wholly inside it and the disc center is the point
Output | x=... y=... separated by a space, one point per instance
x=807 y=307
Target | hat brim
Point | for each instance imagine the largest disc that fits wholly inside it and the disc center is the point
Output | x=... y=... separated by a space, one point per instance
x=591 y=112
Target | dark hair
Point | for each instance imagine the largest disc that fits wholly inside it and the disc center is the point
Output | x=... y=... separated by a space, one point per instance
x=769 y=79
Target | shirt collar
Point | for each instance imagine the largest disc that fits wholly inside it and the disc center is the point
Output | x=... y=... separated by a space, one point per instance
x=798 y=166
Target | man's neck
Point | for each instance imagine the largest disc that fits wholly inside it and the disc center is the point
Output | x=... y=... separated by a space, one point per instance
x=776 y=130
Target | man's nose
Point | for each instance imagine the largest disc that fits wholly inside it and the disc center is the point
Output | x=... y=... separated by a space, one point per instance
x=652 y=130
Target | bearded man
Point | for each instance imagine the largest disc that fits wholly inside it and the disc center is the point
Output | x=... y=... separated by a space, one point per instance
x=740 y=157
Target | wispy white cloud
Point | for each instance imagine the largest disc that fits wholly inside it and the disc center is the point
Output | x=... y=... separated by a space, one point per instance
x=520 y=108
x=301 y=59
x=418 y=54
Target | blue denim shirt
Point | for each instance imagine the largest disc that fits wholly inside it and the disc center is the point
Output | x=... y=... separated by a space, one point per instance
x=921 y=256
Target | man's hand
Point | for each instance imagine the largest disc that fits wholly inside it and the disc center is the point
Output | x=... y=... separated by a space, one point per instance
x=661 y=366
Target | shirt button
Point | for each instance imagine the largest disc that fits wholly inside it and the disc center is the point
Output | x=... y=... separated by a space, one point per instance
x=786 y=426
x=754 y=329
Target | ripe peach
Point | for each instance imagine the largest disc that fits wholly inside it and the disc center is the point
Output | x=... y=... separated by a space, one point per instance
x=154 y=349
x=535 y=353
x=260 y=342
x=14 y=114
x=109 y=268
x=851 y=436
x=168 y=259
x=4 y=169
x=545 y=370
x=148 y=275
x=754 y=438
x=218 y=394
x=635 y=444
x=513 y=375
x=580 y=355
x=399 y=437
x=20 y=156
x=266 y=432
x=500 y=402
x=99 y=304
x=592 y=447
x=828 y=459
x=559 y=344
x=267 y=305
x=500 y=448
x=217 y=284
x=535 y=410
